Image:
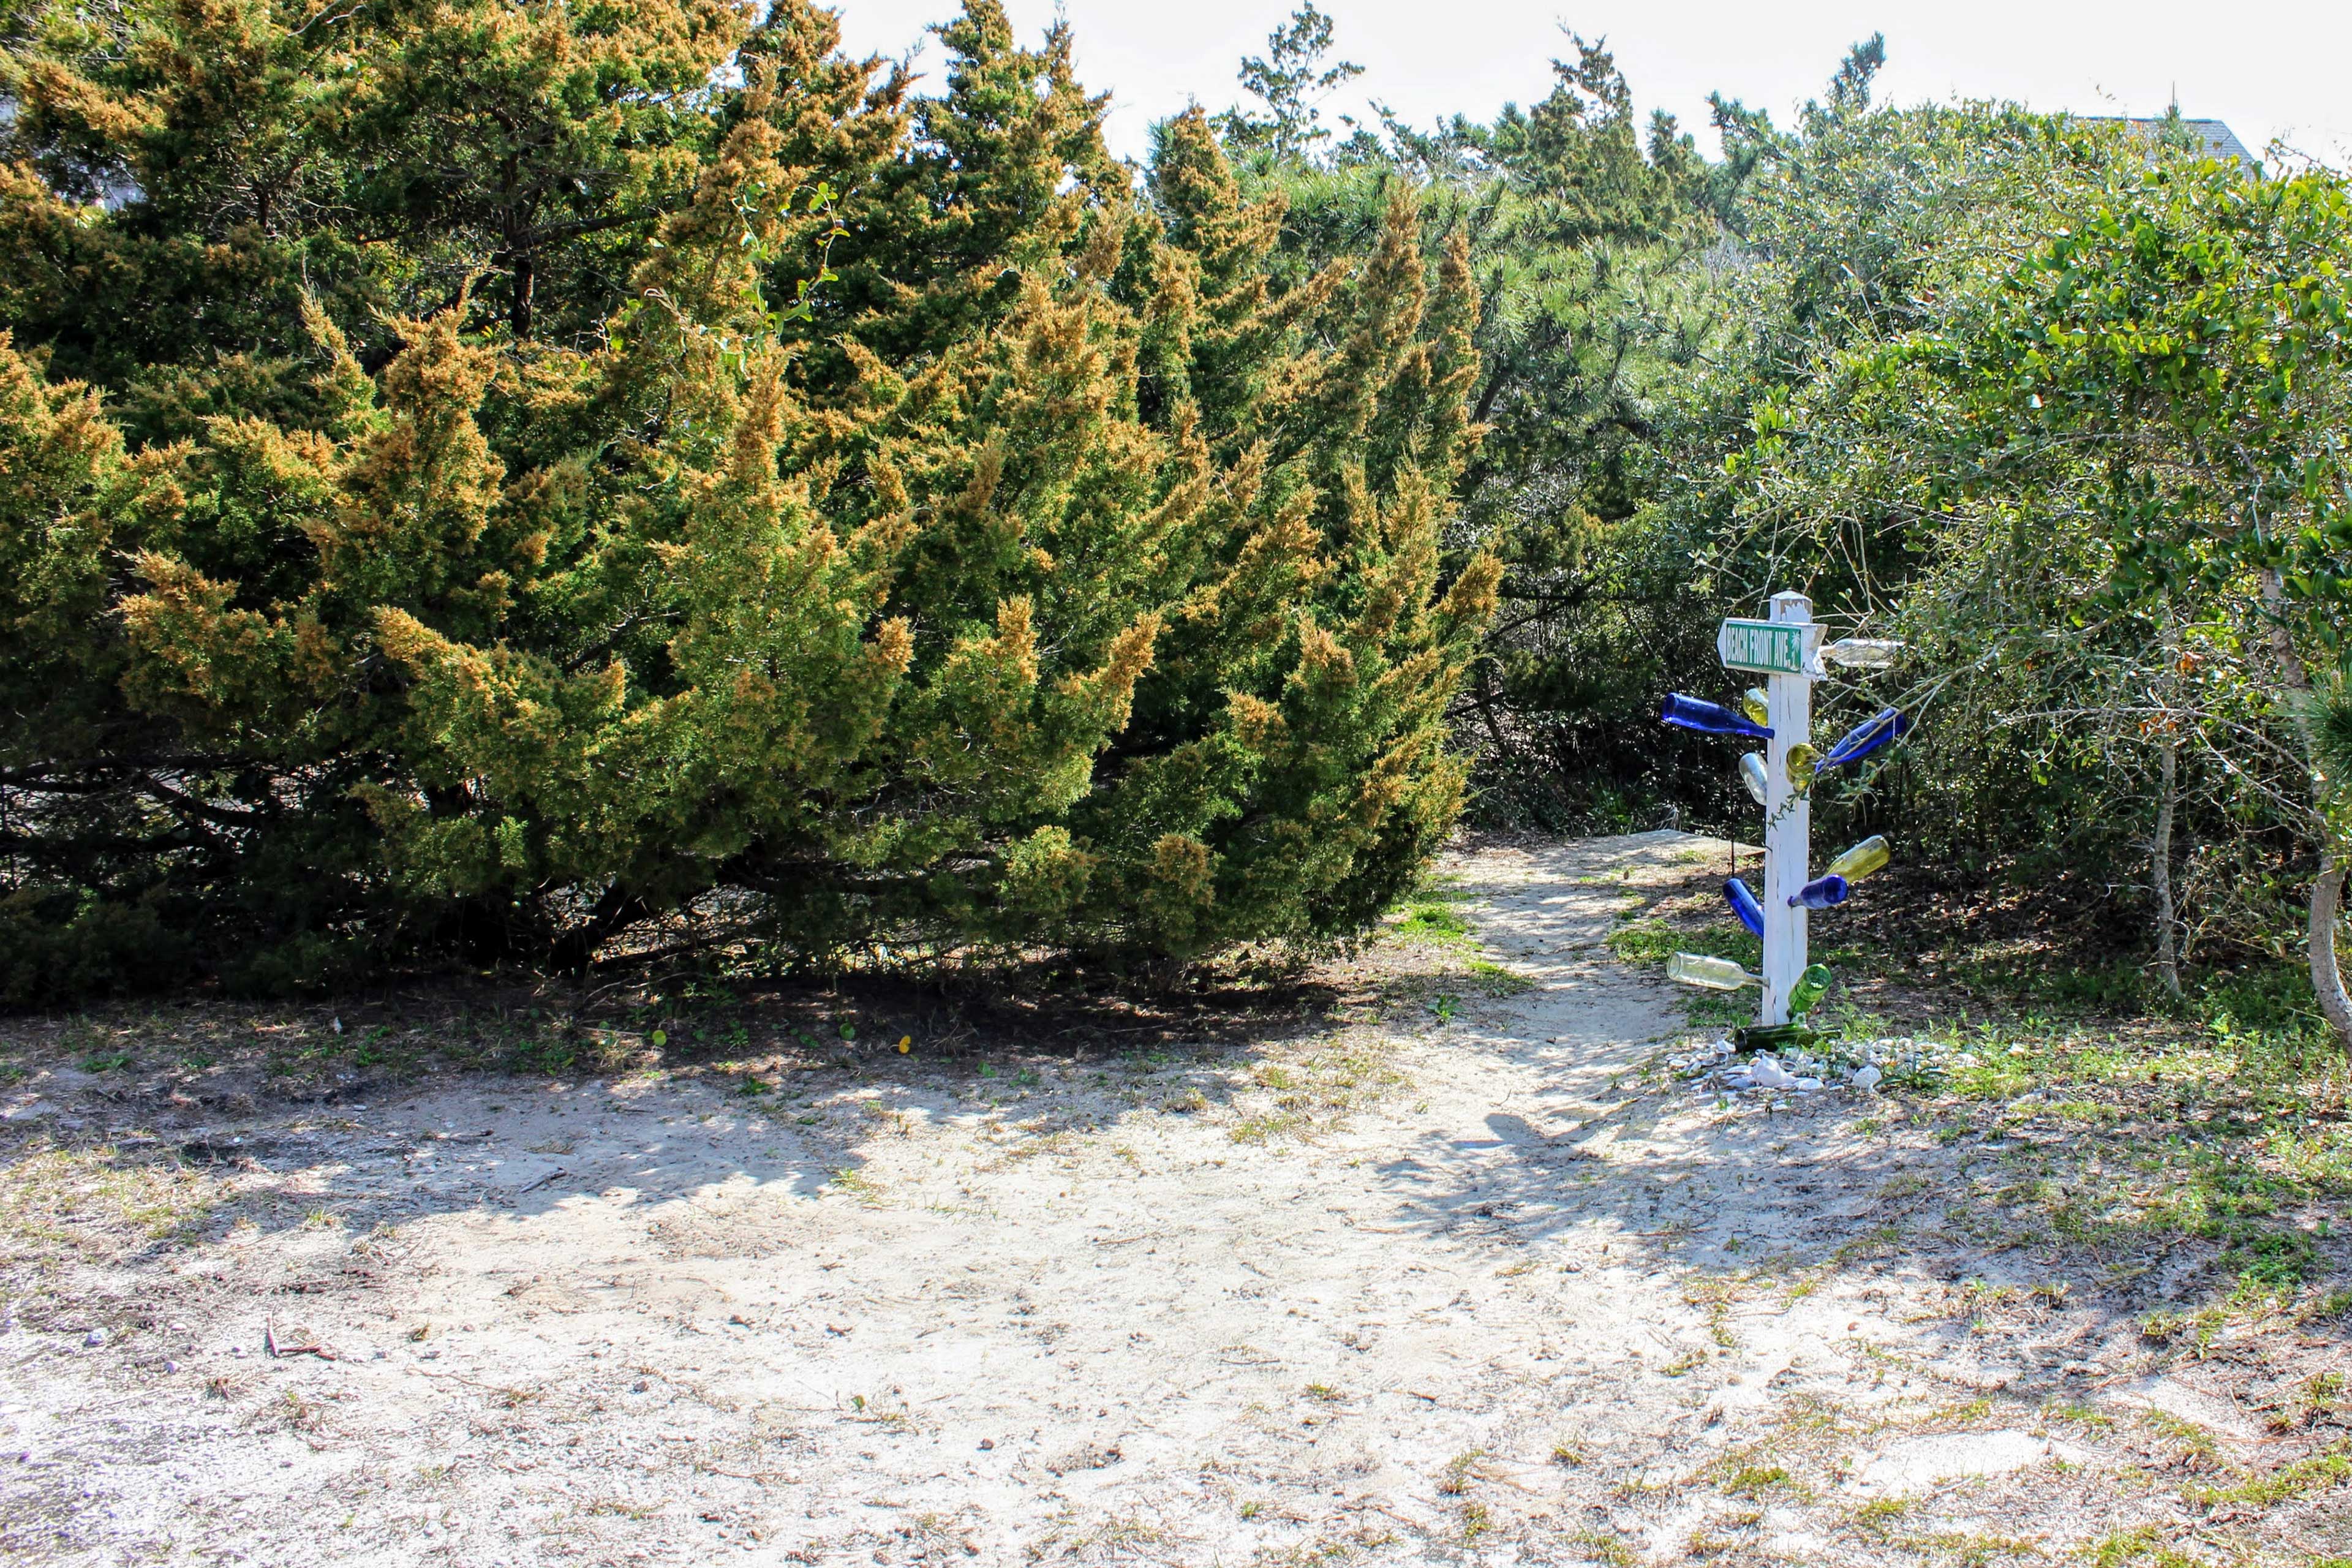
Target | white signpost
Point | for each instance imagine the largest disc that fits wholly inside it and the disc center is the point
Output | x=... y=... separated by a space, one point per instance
x=1783 y=648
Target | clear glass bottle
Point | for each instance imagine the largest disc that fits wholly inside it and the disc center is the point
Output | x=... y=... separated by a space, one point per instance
x=1751 y=773
x=1708 y=973
x=1861 y=653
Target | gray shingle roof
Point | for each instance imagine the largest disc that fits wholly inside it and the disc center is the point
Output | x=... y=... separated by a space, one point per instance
x=2220 y=142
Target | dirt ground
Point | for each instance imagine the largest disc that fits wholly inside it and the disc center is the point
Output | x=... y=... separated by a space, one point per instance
x=1457 y=1277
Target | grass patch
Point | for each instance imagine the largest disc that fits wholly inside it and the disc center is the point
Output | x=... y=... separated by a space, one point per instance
x=1755 y=1480
x=2319 y=1472
x=1605 y=1549
x=1497 y=981
x=99 y=1202
x=1434 y=924
x=1653 y=940
x=2142 y=1548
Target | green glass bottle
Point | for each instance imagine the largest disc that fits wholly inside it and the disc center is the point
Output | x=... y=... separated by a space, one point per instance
x=1808 y=990
x=1756 y=705
x=1775 y=1037
x=1802 y=761
x=1861 y=860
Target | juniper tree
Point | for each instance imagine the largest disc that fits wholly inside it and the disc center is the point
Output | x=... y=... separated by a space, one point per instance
x=888 y=517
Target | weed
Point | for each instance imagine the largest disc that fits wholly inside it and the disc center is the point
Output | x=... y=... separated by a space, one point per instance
x=2269 y=1260
x=1754 y=1480
x=2190 y=1442
x=857 y=1185
x=1264 y=1129
x=2316 y=1473
x=2143 y=1545
x=618 y=1507
x=1877 y=1518
x=1459 y=1472
x=99 y=1202
x=1606 y=1549
x=2081 y=1416
x=292 y=1412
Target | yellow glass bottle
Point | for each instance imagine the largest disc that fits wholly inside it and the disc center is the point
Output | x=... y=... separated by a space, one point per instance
x=1802 y=762
x=1861 y=860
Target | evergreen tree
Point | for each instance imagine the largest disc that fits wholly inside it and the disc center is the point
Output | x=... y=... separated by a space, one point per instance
x=867 y=506
x=1291 y=80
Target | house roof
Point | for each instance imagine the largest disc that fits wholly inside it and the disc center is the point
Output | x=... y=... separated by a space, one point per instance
x=2220 y=142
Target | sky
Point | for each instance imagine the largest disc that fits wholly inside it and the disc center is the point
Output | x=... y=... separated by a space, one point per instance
x=2269 y=68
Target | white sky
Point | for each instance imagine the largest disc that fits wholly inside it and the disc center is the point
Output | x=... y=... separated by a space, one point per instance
x=2269 y=68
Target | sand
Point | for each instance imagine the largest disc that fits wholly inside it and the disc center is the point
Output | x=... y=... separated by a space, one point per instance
x=1455 y=1283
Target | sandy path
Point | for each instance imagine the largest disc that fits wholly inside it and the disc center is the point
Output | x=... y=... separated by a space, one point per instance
x=1502 y=1309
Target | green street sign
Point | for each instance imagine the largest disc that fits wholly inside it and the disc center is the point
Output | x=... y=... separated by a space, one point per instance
x=1768 y=647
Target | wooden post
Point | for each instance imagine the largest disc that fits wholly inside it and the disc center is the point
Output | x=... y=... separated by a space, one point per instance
x=1788 y=817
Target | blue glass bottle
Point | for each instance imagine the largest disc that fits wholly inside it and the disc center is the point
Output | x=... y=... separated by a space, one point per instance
x=1821 y=893
x=1873 y=734
x=1712 y=718
x=1743 y=904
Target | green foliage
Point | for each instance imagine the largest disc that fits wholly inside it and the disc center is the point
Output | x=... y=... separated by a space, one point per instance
x=593 y=494
x=1291 y=80
x=1587 y=237
x=2098 y=490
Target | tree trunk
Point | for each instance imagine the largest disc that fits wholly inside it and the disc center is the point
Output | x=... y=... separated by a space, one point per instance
x=2160 y=870
x=2167 y=798
x=525 y=276
x=2327 y=980
x=2327 y=888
